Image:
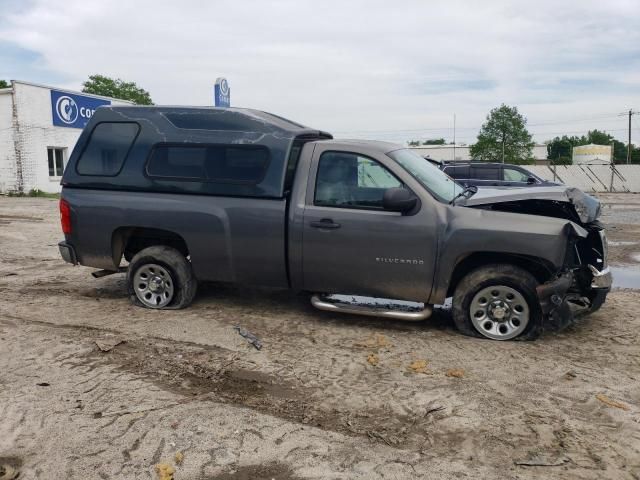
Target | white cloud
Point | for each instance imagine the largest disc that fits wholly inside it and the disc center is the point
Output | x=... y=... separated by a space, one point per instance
x=362 y=66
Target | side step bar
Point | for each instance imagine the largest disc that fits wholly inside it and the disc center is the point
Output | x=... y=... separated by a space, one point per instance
x=104 y=273
x=323 y=303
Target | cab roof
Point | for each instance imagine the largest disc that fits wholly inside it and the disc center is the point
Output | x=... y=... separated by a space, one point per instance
x=383 y=147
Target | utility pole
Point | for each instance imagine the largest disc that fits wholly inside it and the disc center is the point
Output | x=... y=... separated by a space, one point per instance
x=629 y=113
x=629 y=144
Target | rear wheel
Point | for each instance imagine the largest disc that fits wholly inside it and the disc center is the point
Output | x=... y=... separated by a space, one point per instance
x=498 y=302
x=161 y=277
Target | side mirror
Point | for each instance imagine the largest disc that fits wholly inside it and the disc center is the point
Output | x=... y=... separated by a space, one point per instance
x=399 y=200
x=531 y=181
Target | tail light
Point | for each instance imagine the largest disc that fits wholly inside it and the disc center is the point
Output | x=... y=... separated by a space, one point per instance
x=65 y=217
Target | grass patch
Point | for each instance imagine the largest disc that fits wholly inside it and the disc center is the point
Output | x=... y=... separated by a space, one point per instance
x=34 y=193
x=39 y=193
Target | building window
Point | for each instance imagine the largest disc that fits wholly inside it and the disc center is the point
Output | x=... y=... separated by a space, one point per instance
x=56 y=157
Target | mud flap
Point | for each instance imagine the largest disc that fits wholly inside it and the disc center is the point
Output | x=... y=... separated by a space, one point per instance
x=552 y=295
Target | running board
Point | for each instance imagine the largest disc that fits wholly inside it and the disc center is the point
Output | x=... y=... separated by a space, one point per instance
x=104 y=273
x=385 y=311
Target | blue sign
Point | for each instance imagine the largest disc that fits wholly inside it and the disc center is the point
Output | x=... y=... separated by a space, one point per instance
x=222 y=93
x=73 y=111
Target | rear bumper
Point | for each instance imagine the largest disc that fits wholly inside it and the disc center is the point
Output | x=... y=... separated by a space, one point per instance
x=68 y=253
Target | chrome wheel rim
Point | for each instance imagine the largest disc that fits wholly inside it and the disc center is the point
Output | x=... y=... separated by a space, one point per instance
x=153 y=285
x=499 y=312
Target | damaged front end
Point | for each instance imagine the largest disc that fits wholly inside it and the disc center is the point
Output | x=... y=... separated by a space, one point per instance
x=582 y=282
x=591 y=279
x=576 y=290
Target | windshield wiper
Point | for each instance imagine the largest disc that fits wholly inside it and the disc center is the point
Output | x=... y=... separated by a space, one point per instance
x=468 y=192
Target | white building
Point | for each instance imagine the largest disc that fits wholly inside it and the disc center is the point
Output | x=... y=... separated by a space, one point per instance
x=461 y=152
x=39 y=127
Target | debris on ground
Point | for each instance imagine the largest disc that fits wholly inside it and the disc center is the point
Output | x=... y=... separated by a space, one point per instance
x=251 y=338
x=455 y=373
x=109 y=344
x=43 y=384
x=7 y=472
x=165 y=471
x=419 y=366
x=178 y=458
x=373 y=359
x=570 y=375
x=374 y=341
x=542 y=461
x=433 y=410
x=612 y=403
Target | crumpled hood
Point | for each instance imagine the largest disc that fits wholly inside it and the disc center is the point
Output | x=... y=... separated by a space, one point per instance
x=586 y=207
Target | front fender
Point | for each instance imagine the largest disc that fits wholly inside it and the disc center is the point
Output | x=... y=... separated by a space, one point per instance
x=470 y=230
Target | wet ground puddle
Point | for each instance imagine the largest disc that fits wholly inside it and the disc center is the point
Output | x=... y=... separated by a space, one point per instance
x=626 y=277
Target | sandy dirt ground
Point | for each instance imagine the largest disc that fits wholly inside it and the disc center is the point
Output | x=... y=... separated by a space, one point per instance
x=92 y=387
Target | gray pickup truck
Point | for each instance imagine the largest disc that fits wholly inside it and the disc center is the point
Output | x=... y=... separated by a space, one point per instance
x=186 y=195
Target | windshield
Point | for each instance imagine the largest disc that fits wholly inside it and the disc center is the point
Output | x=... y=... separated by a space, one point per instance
x=438 y=183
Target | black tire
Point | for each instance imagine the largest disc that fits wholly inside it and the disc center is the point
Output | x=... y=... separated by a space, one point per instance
x=497 y=275
x=179 y=268
x=597 y=300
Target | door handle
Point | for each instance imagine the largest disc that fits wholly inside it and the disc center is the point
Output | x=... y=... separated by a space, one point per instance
x=325 y=223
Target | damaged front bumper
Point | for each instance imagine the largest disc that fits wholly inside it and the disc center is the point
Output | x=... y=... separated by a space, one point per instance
x=601 y=279
x=559 y=306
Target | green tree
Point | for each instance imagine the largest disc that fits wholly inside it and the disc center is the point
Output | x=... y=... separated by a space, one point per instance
x=414 y=143
x=560 y=150
x=434 y=141
x=101 y=85
x=4 y=84
x=504 y=136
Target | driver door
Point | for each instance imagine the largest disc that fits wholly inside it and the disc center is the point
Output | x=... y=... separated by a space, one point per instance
x=351 y=244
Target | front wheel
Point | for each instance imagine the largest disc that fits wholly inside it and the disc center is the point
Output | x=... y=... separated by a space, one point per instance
x=498 y=302
x=161 y=277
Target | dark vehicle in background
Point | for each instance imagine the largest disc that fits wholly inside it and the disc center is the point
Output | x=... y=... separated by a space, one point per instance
x=175 y=196
x=485 y=174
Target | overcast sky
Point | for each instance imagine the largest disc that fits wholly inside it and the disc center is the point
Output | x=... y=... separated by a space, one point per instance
x=367 y=69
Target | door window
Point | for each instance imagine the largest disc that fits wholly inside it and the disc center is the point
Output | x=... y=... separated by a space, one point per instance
x=513 y=175
x=458 y=171
x=349 y=180
x=485 y=173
